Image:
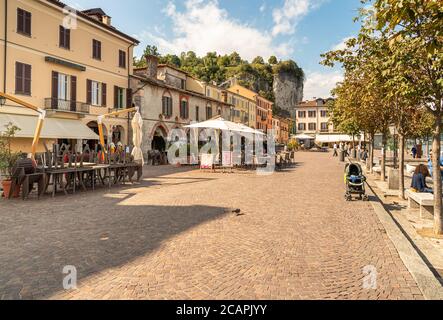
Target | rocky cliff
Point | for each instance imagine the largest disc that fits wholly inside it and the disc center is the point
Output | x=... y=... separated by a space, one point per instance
x=288 y=89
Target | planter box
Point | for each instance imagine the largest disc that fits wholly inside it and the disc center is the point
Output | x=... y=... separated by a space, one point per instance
x=393 y=179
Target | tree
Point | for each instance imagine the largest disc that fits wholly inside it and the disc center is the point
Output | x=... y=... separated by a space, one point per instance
x=139 y=63
x=7 y=156
x=289 y=66
x=360 y=101
x=151 y=50
x=395 y=67
x=258 y=60
x=415 y=29
x=234 y=59
x=171 y=59
x=272 y=60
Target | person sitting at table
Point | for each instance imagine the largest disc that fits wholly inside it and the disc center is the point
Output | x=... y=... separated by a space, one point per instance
x=419 y=180
x=67 y=155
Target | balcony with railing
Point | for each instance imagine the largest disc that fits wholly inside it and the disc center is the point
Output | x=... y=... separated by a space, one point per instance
x=66 y=105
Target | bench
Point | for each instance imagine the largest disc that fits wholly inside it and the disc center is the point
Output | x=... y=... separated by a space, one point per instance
x=424 y=201
x=376 y=170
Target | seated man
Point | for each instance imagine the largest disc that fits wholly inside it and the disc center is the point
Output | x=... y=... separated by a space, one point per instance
x=419 y=180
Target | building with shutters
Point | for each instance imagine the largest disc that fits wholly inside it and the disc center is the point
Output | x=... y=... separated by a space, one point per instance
x=259 y=108
x=285 y=124
x=73 y=64
x=312 y=117
x=170 y=98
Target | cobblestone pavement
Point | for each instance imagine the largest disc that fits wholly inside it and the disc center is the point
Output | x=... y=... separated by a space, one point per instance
x=175 y=237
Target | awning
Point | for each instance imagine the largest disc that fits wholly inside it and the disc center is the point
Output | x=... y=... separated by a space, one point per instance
x=53 y=128
x=304 y=137
x=331 y=138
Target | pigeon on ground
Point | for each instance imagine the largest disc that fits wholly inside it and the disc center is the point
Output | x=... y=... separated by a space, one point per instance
x=238 y=212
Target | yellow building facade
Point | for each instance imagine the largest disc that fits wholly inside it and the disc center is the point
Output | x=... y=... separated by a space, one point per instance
x=260 y=109
x=74 y=65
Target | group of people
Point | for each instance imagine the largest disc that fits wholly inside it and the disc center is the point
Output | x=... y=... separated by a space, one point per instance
x=421 y=172
x=347 y=149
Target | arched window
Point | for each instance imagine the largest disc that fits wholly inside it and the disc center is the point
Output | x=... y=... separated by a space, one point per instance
x=167 y=104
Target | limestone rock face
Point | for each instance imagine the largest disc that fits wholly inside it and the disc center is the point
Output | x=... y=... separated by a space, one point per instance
x=288 y=90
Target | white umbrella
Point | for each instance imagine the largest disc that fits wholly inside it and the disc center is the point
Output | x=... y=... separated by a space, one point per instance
x=137 y=124
x=224 y=125
x=219 y=124
x=247 y=129
x=304 y=137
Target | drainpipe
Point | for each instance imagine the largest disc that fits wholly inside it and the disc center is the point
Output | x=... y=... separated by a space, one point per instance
x=129 y=85
x=6 y=45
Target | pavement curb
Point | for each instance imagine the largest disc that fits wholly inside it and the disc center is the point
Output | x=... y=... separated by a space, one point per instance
x=426 y=281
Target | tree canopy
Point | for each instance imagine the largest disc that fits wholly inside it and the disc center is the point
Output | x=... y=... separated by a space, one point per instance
x=393 y=75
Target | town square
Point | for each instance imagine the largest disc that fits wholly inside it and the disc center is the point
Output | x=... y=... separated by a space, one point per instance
x=218 y=152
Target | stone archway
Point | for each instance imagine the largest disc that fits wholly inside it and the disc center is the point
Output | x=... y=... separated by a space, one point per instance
x=159 y=138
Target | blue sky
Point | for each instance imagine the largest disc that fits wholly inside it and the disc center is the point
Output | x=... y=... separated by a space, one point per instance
x=297 y=29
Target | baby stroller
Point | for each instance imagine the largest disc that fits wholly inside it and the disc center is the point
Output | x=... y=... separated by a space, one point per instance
x=355 y=182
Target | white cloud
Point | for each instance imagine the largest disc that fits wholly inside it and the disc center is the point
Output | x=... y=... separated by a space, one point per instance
x=205 y=27
x=341 y=45
x=287 y=17
x=320 y=84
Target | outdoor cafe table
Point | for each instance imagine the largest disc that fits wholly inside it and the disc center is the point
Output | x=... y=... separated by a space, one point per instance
x=102 y=171
x=72 y=173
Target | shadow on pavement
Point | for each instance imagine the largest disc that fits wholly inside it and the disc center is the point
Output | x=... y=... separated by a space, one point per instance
x=92 y=233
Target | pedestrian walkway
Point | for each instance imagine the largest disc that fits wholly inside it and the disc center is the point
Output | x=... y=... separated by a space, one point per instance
x=176 y=237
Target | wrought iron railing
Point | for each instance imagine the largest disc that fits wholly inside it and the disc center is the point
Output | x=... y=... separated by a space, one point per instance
x=66 y=105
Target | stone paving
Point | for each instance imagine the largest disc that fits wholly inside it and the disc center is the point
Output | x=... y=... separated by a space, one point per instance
x=174 y=236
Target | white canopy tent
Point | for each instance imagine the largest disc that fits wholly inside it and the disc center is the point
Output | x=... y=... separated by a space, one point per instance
x=224 y=125
x=304 y=137
x=221 y=124
x=334 y=138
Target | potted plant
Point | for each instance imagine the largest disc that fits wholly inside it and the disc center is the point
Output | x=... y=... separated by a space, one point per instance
x=8 y=158
x=293 y=145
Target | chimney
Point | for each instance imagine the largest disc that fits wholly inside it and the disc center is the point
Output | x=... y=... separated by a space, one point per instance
x=152 y=66
x=106 y=20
